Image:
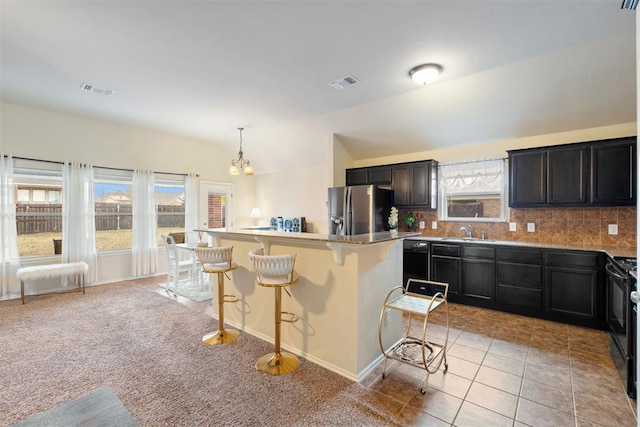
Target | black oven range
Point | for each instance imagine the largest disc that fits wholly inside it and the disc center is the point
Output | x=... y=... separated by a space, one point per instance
x=621 y=319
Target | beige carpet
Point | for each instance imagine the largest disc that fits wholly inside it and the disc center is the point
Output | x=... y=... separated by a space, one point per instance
x=148 y=349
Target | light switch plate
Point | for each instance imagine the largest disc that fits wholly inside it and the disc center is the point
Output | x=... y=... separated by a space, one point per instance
x=613 y=229
x=531 y=227
x=434 y=225
x=422 y=225
x=512 y=226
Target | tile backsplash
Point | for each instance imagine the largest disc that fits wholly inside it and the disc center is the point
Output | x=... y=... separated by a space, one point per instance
x=581 y=226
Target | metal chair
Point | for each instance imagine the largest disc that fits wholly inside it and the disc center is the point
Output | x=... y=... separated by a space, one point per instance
x=218 y=260
x=276 y=272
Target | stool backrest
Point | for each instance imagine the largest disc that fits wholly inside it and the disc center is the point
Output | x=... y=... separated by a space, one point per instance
x=271 y=265
x=215 y=255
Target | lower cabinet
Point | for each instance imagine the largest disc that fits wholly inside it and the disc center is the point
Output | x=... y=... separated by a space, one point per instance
x=560 y=285
x=478 y=273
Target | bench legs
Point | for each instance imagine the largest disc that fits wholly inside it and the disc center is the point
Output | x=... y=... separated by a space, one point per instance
x=78 y=279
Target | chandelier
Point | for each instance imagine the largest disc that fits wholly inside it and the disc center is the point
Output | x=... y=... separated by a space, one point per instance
x=240 y=164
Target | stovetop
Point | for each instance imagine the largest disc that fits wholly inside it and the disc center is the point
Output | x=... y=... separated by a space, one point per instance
x=627 y=264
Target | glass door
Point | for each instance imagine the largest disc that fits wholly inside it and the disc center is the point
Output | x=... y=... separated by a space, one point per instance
x=215 y=204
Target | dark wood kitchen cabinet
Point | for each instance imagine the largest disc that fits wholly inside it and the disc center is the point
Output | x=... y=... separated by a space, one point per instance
x=595 y=173
x=572 y=286
x=478 y=273
x=378 y=175
x=613 y=172
x=446 y=267
x=519 y=278
x=415 y=184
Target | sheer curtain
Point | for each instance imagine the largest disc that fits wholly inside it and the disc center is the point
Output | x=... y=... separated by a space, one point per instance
x=78 y=217
x=190 y=202
x=145 y=241
x=473 y=177
x=9 y=258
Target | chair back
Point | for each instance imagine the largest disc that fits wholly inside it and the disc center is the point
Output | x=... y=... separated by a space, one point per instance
x=272 y=269
x=172 y=252
x=216 y=256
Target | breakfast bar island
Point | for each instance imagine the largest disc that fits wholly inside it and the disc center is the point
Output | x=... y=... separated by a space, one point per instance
x=343 y=284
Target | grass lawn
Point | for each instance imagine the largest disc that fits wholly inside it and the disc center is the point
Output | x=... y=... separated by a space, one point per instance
x=42 y=243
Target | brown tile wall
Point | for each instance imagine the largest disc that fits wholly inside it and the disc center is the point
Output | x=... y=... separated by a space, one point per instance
x=580 y=226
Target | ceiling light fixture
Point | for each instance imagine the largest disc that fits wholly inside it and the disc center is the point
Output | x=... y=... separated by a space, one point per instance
x=240 y=164
x=425 y=73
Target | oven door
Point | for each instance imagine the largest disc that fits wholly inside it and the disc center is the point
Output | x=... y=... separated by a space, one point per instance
x=617 y=306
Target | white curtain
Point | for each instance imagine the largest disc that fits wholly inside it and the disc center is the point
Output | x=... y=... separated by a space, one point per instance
x=145 y=241
x=78 y=217
x=191 y=202
x=472 y=178
x=9 y=258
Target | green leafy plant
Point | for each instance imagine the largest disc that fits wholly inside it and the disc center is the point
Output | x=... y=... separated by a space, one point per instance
x=410 y=220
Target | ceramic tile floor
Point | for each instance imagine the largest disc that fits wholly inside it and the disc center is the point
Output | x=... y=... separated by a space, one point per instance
x=504 y=370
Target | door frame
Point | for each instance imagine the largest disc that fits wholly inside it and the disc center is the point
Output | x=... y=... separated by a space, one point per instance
x=207 y=187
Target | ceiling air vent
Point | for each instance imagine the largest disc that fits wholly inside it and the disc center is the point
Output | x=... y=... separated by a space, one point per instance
x=95 y=89
x=344 y=82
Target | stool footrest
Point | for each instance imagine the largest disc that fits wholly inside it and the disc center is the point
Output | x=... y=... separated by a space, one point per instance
x=230 y=298
x=288 y=317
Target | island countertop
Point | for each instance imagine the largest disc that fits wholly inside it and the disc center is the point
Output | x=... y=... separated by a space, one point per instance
x=356 y=239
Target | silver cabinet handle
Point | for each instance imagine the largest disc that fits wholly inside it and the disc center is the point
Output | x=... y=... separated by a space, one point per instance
x=635 y=297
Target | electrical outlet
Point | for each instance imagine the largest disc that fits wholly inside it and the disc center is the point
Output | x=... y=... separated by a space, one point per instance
x=613 y=229
x=421 y=225
x=531 y=227
x=512 y=226
x=434 y=225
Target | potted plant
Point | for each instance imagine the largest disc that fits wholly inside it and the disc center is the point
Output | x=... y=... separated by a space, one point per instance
x=393 y=219
x=410 y=220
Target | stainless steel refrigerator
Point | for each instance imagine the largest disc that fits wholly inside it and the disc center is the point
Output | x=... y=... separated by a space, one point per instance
x=359 y=209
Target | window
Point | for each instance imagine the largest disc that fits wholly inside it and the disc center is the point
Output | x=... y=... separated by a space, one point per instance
x=473 y=191
x=169 y=194
x=38 y=218
x=112 y=197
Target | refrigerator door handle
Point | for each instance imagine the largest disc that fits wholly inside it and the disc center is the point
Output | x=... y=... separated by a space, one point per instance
x=347 y=212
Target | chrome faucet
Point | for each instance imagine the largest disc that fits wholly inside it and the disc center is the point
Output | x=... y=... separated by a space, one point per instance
x=467 y=230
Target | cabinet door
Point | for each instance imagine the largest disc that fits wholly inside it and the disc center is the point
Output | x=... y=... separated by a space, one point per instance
x=527 y=178
x=401 y=185
x=571 y=292
x=420 y=184
x=613 y=173
x=379 y=175
x=479 y=278
x=568 y=176
x=447 y=269
x=356 y=176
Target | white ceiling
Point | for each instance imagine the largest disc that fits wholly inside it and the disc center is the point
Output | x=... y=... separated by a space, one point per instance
x=512 y=69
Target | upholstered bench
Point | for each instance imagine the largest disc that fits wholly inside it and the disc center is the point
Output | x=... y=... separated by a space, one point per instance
x=76 y=270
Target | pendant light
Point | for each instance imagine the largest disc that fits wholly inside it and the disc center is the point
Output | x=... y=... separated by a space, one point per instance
x=240 y=164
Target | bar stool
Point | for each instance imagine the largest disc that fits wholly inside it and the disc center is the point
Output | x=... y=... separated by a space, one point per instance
x=218 y=261
x=276 y=272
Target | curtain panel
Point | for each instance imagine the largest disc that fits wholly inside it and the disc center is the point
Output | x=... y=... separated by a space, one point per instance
x=9 y=256
x=190 y=202
x=145 y=242
x=78 y=217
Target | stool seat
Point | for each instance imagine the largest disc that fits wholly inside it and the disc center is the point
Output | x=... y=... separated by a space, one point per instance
x=276 y=271
x=218 y=260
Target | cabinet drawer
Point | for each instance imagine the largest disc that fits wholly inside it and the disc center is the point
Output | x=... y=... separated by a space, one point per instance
x=478 y=252
x=522 y=256
x=443 y=249
x=520 y=297
x=572 y=259
x=520 y=275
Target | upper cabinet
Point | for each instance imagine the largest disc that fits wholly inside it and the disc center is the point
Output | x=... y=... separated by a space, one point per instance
x=598 y=173
x=414 y=184
x=379 y=175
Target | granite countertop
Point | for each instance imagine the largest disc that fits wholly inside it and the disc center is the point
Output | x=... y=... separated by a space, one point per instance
x=357 y=239
x=613 y=251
